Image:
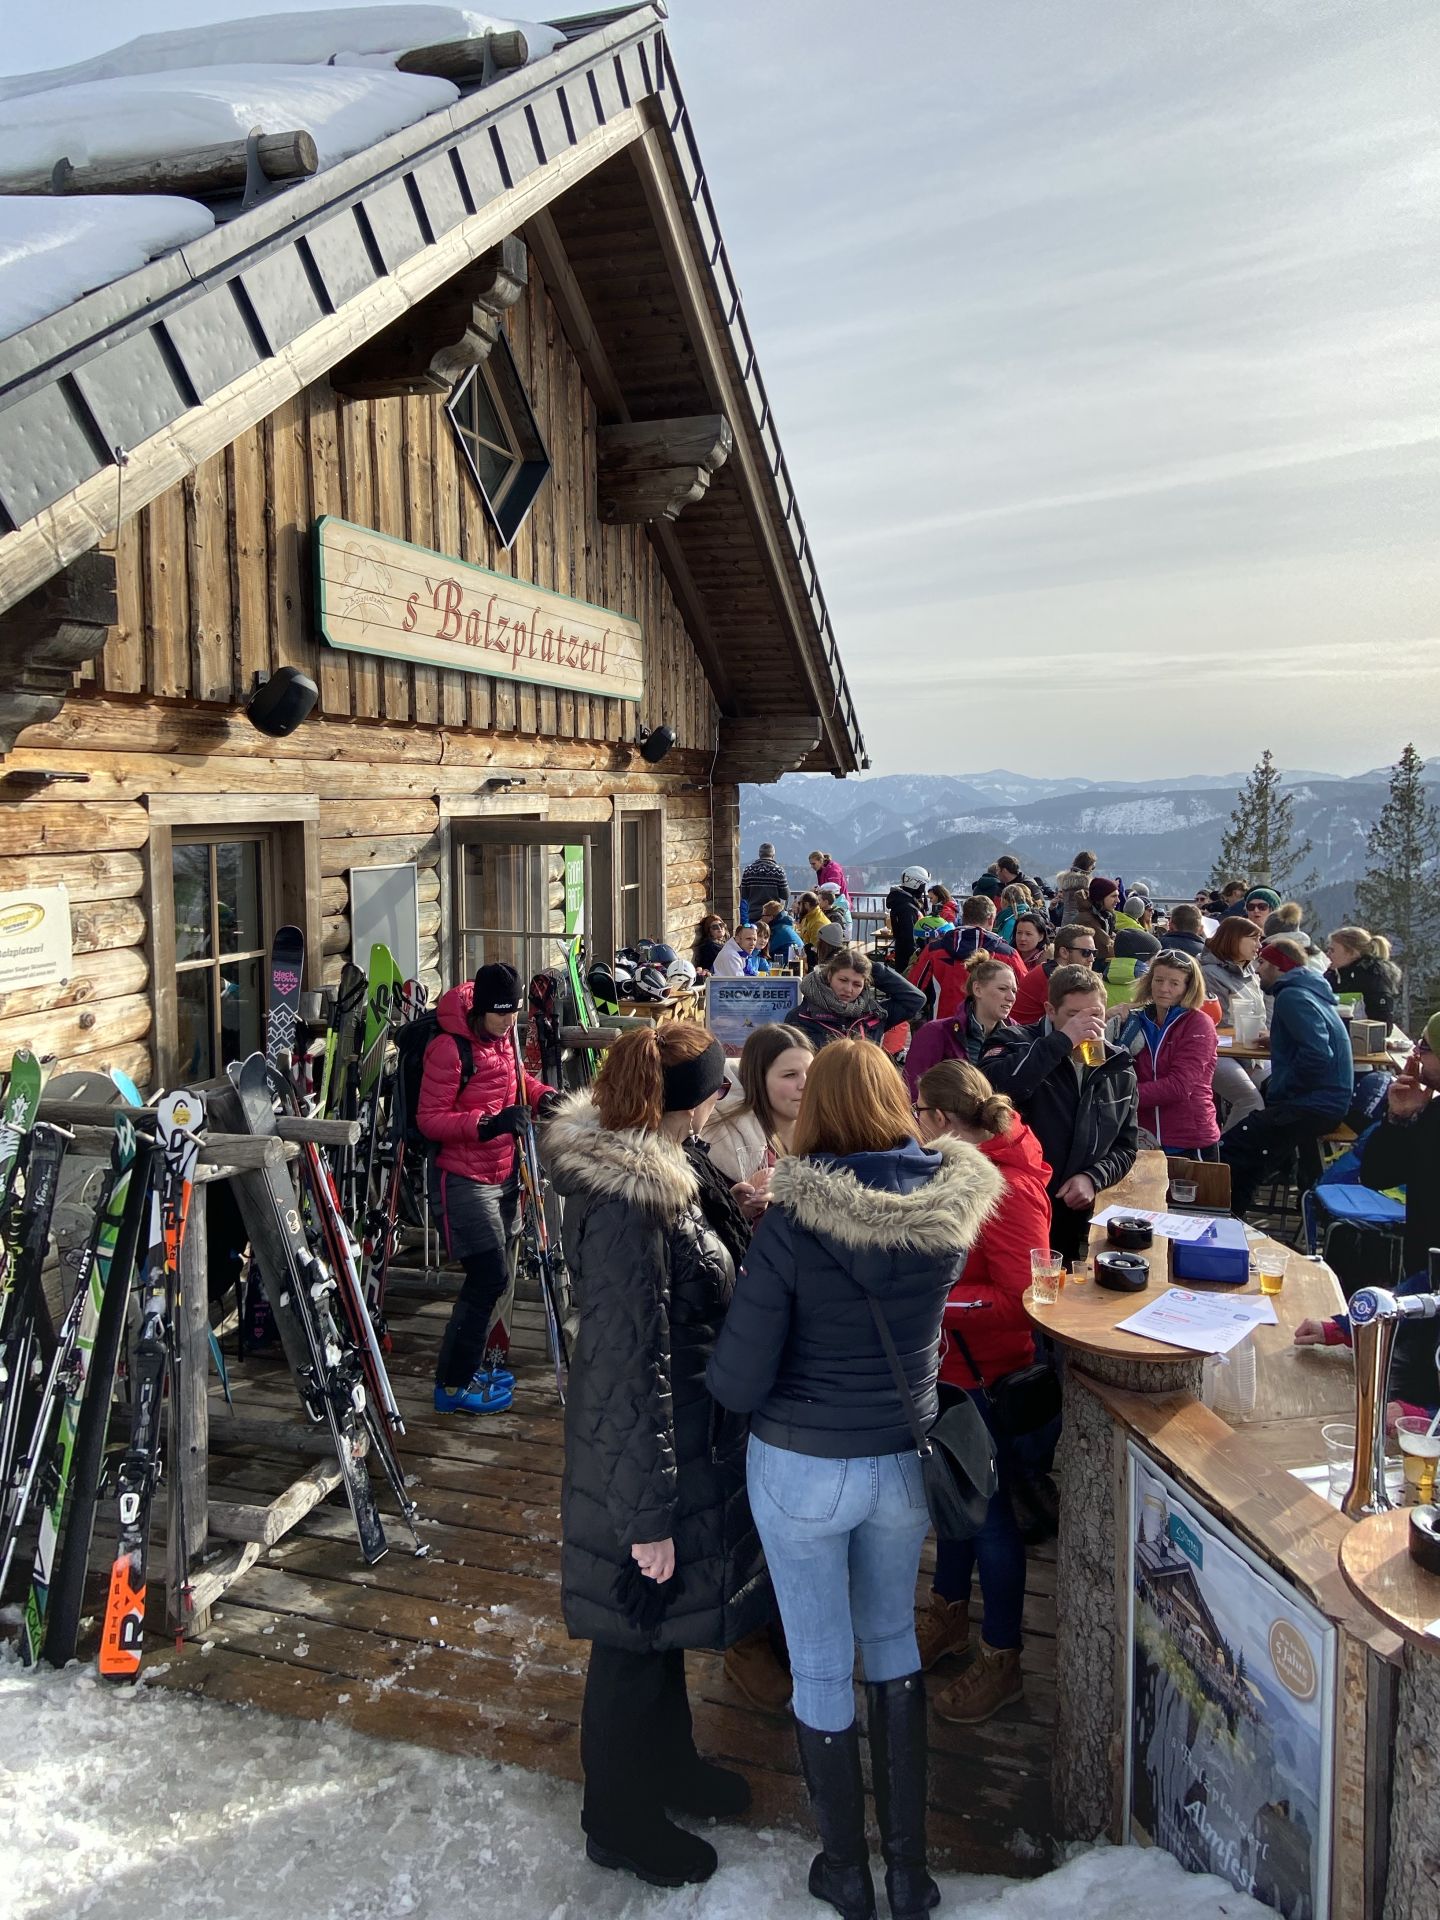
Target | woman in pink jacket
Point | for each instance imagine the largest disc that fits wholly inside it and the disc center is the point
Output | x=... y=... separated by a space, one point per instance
x=1174 y=1046
x=473 y=1101
x=829 y=872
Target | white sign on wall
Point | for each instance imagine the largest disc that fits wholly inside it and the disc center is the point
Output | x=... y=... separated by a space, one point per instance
x=35 y=942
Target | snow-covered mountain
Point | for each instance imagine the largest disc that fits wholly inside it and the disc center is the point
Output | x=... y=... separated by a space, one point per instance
x=1166 y=832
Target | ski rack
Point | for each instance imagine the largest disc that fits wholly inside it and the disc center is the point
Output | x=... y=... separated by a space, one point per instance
x=242 y=1531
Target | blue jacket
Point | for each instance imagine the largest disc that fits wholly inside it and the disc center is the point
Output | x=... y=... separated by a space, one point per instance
x=784 y=940
x=1311 y=1065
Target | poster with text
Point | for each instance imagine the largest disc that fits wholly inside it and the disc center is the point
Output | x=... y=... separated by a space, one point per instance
x=1231 y=1708
x=35 y=939
x=734 y=1008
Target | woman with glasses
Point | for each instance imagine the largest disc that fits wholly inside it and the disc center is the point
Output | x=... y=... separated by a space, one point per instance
x=1174 y=1046
x=987 y=1335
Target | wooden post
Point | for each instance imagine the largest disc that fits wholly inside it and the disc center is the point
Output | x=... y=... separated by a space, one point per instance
x=462 y=60
x=189 y=1437
x=202 y=172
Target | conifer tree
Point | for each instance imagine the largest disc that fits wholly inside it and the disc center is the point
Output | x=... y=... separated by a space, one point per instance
x=1260 y=846
x=1397 y=897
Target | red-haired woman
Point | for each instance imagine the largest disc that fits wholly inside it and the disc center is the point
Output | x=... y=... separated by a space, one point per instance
x=660 y=1552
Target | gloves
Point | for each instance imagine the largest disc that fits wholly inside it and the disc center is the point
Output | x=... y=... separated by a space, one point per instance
x=508 y=1120
x=548 y=1102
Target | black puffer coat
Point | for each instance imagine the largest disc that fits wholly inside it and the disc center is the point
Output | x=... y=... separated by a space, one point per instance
x=648 y=1455
x=800 y=1351
x=1377 y=980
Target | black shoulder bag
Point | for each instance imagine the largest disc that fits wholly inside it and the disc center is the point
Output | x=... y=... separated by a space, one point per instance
x=1020 y=1402
x=957 y=1455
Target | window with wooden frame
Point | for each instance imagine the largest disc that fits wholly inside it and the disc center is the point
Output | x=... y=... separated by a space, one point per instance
x=222 y=889
x=500 y=439
x=639 y=907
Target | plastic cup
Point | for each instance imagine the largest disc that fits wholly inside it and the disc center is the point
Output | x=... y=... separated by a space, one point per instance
x=1092 y=1053
x=1339 y=1440
x=1420 y=1453
x=1272 y=1264
x=1184 y=1193
x=1046 y=1267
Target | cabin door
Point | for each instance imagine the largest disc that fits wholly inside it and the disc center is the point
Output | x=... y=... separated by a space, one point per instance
x=523 y=888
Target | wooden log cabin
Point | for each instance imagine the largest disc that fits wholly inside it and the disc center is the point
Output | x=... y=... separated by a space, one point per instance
x=467 y=429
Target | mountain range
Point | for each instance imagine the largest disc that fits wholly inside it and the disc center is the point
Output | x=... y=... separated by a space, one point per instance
x=1166 y=832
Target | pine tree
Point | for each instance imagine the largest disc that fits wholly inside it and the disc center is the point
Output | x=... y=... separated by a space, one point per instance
x=1259 y=846
x=1397 y=897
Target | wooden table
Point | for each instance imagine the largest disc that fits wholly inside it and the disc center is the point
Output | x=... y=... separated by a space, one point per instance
x=1379 y=1571
x=1291 y=1384
x=1257 y=1050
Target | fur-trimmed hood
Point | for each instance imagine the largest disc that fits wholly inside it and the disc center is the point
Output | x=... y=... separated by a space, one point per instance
x=939 y=1214
x=1073 y=881
x=647 y=1169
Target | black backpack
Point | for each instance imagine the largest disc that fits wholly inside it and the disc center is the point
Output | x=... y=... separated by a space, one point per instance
x=412 y=1042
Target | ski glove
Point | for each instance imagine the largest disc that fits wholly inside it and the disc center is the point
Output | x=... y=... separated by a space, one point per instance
x=548 y=1102
x=508 y=1120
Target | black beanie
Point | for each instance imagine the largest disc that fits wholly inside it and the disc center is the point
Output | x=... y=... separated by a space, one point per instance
x=497 y=989
x=689 y=1082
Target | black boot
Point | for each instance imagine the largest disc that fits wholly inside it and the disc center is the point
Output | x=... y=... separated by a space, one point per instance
x=841 y=1872
x=899 y=1755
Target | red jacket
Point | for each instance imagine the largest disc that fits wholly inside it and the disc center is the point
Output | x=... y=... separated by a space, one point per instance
x=998 y=1269
x=943 y=961
x=1177 y=1102
x=450 y=1113
x=831 y=873
x=1030 y=1001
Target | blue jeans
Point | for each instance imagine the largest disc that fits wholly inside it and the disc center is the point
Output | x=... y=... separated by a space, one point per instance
x=842 y=1539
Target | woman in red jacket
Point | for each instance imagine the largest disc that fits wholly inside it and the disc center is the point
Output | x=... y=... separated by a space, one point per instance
x=473 y=1098
x=1173 y=1041
x=986 y=1335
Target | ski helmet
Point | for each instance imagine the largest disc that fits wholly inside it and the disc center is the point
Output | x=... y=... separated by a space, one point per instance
x=650 y=984
x=661 y=953
x=914 y=878
x=680 y=973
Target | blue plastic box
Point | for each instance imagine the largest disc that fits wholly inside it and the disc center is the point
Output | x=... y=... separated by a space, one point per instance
x=1222 y=1257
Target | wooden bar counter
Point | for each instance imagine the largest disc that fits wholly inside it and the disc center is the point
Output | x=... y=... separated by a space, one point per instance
x=1296 y=1390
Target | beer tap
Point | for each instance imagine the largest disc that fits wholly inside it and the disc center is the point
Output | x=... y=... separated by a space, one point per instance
x=1375 y=1317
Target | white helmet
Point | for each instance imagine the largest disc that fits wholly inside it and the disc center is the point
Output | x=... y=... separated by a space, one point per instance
x=914 y=878
x=680 y=973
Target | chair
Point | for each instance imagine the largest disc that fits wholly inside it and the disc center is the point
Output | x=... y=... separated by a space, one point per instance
x=1337 y=1204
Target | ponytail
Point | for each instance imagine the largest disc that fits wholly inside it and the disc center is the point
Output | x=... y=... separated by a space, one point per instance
x=961 y=1091
x=1373 y=946
x=630 y=1090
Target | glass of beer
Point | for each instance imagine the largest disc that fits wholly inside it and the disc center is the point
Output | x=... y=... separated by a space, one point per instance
x=1420 y=1452
x=1046 y=1267
x=1272 y=1263
x=1092 y=1053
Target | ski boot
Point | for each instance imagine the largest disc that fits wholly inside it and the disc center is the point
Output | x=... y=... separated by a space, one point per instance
x=479 y=1395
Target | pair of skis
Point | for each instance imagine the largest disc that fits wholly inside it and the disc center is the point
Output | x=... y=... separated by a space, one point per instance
x=536 y=1231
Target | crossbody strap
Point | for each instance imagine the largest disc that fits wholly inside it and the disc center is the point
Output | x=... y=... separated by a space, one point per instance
x=907 y=1399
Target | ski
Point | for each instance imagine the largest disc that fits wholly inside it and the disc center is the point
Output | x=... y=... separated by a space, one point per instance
x=536 y=1231
x=65 y=1601
x=330 y=1373
x=178 y=1120
x=22 y=1104
x=66 y=1387
x=340 y=1042
x=382 y=1006
x=287 y=966
x=26 y=1335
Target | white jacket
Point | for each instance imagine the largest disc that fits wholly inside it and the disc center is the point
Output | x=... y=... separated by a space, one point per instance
x=737 y=1145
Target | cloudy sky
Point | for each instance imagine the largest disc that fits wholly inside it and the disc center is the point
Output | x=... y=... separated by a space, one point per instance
x=1104 y=339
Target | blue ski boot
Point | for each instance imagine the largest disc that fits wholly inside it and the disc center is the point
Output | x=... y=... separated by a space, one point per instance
x=481 y=1395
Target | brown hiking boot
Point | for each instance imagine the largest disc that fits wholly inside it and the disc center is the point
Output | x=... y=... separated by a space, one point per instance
x=753 y=1668
x=944 y=1627
x=991 y=1681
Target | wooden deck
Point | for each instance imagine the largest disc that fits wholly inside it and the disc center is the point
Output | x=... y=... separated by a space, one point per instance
x=465 y=1650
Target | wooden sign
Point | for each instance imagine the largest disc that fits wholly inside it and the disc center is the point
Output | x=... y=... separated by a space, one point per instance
x=380 y=595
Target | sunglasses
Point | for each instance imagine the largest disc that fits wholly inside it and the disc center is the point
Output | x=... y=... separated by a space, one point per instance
x=724 y=1090
x=1172 y=957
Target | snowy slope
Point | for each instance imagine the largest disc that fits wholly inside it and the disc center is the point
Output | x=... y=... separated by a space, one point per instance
x=342 y=34
x=345 y=108
x=52 y=251
x=132 y=1804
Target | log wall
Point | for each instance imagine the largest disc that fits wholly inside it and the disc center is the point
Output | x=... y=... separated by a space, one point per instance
x=215 y=585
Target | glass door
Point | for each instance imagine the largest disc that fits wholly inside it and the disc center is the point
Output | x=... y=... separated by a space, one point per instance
x=511 y=894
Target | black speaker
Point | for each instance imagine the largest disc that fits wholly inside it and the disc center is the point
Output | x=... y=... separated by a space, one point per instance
x=281 y=701
x=655 y=743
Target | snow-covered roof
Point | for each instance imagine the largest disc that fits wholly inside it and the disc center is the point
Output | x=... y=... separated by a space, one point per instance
x=330 y=74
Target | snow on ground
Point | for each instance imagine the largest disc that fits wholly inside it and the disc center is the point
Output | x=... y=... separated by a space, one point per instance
x=342 y=34
x=346 y=108
x=128 y=1803
x=53 y=250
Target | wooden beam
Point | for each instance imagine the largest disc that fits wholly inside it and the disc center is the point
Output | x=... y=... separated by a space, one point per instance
x=265 y=1525
x=650 y=470
x=443 y=337
x=549 y=252
x=202 y=173
x=761 y=750
x=477 y=58
x=691 y=285
x=44 y=638
x=87 y=514
x=212 y=1580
